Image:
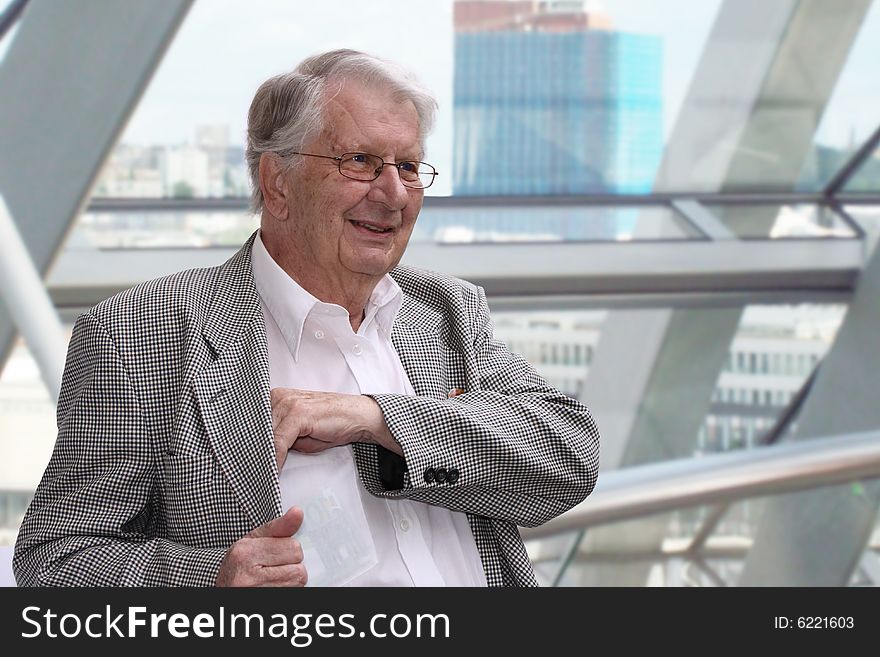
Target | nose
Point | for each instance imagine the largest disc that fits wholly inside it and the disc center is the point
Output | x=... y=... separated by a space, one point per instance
x=388 y=190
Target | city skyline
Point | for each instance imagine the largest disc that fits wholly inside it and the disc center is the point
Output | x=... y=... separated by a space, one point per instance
x=192 y=87
x=202 y=81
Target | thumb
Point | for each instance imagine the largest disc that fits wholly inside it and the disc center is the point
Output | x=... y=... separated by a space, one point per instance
x=286 y=525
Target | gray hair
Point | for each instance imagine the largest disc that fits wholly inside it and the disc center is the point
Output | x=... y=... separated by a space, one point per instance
x=288 y=109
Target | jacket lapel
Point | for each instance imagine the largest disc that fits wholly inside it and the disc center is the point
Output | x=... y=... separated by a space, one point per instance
x=422 y=353
x=232 y=392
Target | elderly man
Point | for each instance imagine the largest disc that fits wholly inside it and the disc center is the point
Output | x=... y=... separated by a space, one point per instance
x=307 y=411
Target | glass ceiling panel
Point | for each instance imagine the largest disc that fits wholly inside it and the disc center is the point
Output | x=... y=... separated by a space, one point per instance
x=186 y=137
x=778 y=221
x=868 y=217
x=851 y=115
x=538 y=103
x=559 y=344
x=867 y=176
x=455 y=224
x=795 y=110
x=772 y=353
x=774 y=350
x=512 y=223
x=150 y=230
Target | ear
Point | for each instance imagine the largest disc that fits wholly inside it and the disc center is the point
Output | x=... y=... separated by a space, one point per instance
x=273 y=185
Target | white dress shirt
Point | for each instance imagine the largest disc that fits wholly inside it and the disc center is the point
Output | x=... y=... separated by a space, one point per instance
x=350 y=537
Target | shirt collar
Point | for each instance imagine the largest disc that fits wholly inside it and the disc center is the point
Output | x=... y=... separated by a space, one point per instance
x=384 y=305
x=290 y=304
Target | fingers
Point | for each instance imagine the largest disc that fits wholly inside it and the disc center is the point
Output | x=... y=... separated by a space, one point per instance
x=267 y=556
x=325 y=420
x=280 y=551
x=286 y=525
x=289 y=427
x=287 y=575
x=308 y=445
x=286 y=429
x=280 y=399
x=289 y=421
x=266 y=551
x=243 y=566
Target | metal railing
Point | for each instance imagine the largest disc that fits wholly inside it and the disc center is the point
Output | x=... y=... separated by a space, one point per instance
x=646 y=490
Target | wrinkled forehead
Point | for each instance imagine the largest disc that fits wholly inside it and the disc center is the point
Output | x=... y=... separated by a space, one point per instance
x=362 y=117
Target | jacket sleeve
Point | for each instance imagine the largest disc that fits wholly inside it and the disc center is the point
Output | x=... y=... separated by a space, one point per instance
x=90 y=522
x=521 y=451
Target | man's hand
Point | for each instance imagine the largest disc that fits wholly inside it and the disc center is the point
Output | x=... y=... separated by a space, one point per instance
x=311 y=422
x=267 y=556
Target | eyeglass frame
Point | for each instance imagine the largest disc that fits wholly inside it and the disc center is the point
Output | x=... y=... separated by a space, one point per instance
x=338 y=159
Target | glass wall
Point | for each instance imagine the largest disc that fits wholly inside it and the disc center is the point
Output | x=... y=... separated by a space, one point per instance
x=534 y=98
x=681 y=558
x=556 y=119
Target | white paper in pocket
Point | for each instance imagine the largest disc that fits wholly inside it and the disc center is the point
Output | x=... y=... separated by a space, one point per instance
x=336 y=540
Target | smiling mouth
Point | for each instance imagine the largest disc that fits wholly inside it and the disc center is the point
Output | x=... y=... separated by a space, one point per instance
x=372 y=227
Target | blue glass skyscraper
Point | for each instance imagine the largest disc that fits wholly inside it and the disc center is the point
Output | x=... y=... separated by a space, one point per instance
x=575 y=111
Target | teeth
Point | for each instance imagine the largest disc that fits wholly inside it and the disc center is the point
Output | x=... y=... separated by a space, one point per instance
x=372 y=228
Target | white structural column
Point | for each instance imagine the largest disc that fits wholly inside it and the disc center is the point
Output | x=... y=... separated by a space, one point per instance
x=665 y=364
x=816 y=538
x=69 y=81
x=663 y=389
x=22 y=289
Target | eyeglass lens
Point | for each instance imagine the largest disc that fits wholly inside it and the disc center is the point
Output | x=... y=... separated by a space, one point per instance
x=363 y=166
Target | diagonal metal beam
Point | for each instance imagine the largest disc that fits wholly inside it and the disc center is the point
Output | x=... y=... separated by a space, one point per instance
x=749 y=117
x=842 y=177
x=69 y=81
x=28 y=300
x=10 y=15
x=817 y=538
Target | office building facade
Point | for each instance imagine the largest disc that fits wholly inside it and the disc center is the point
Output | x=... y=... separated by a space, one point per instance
x=548 y=100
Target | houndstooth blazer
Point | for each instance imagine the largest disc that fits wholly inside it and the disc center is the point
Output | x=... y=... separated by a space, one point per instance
x=164 y=455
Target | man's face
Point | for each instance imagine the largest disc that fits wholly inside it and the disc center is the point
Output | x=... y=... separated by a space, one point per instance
x=344 y=228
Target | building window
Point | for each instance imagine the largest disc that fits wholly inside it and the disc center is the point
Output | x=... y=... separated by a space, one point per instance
x=803 y=366
x=776 y=367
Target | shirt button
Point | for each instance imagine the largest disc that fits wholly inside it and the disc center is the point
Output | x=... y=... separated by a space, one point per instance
x=319 y=335
x=357 y=350
x=404 y=525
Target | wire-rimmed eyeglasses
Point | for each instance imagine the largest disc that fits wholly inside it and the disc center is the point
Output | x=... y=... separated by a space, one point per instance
x=366 y=167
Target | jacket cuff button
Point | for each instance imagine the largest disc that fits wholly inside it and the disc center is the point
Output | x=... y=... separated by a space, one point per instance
x=453 y=475
x=429 y=475
x=440 y=475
